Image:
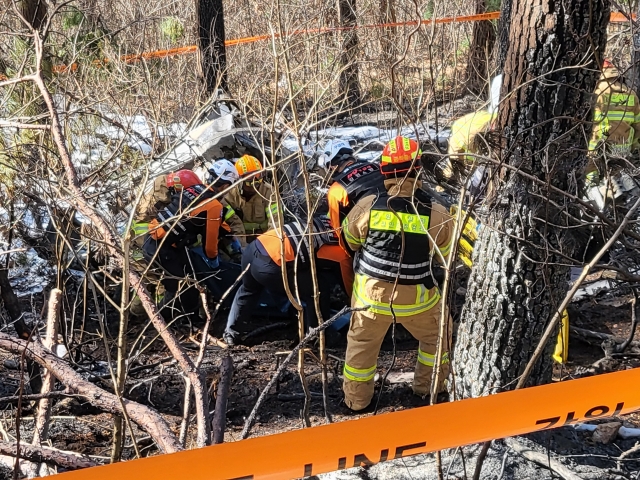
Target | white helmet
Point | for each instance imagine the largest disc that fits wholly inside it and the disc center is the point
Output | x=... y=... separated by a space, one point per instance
x=333 y=150
x=223 y=171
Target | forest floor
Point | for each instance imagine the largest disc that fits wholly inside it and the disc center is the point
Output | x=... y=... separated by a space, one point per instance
x=155 y=380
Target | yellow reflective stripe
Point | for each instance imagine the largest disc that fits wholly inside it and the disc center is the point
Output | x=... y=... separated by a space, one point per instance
x=229 y=212
x=446 y=249
x=429 y=360
x=271 y=210
x=390 y=221
x=349 y=237
x=393 y=148
x=423 y=302
x=406 y=144
x=359 y=374
x=620 y=99
x=627 y=117
x=140 y=228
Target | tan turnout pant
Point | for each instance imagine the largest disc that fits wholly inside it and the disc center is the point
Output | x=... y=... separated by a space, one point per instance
x=366 y=333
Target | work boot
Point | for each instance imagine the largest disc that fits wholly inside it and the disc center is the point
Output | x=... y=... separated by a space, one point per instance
x=231 y=337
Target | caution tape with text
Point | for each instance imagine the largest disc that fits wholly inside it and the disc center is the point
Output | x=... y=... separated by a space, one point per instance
x=615 y=17
x=390 y=436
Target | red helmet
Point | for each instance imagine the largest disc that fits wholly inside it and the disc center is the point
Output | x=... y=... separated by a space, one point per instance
x=399 y=155
x=182 y=179
x=607 y=64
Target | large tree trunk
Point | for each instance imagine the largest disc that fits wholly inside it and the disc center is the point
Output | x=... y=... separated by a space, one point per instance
x=519 y=276
x=349 y=83
x=211 y=49
x=483 y=40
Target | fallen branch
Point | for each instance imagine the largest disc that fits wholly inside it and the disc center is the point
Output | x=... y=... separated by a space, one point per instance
x=542 y=460
x=590 y=334
x=220 y=414
x=146 y=418
x=61 y=458
x=37 y=396
x=313 y=333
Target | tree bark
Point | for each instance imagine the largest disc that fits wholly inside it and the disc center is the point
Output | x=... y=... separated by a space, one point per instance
x=146 y=418
x=635 y=55
x=519 y=276
x=34 y=12
x=480 y=51
x=349 y=82
x=211 y=49
x=504 y=26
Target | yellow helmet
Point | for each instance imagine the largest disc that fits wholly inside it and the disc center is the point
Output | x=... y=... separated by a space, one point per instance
x=247 y=164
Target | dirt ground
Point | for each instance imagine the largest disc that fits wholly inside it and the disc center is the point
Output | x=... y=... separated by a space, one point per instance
x=154 y=379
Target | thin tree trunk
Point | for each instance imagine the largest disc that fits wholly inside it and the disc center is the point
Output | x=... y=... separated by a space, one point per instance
x=504 y=27
x=41 y=430
x=349 y=83
x=388 y=37
x=483 y=40
x=519 y=276
x=211 y=49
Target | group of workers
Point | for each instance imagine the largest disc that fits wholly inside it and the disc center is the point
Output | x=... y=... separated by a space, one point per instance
x=378 y=233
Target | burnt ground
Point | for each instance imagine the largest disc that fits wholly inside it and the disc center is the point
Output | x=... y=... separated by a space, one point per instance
x=154 y=379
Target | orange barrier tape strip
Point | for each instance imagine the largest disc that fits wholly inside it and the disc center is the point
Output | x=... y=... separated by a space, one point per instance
x=389 y=436
x=615 y=17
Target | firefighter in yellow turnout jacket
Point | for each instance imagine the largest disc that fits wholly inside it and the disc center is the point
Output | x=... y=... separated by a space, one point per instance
x=616 y=116
x=395 y=235
x=254 y=199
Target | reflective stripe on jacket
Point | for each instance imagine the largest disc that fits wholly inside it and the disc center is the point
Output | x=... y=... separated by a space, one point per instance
x=397 y=243
x=616 y=115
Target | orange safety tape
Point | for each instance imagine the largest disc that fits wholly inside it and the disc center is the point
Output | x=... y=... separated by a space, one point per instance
x=615 y=17
x=389 y=436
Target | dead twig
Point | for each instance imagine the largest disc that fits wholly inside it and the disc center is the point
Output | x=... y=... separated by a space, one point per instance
x=220 y=414
x=634 y=324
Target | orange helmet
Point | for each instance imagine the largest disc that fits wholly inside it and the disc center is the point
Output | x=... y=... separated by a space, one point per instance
x=182 y=179
x=399 y=155
x=247 y=164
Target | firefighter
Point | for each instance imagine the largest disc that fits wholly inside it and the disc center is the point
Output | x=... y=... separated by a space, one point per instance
x=222 y=176
x=616 y=119
x=253 y=200
x=351 y=179
x=466 y=141
x=157 y=198
x=265 y=272
x=193 y=219
x=397 y=236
